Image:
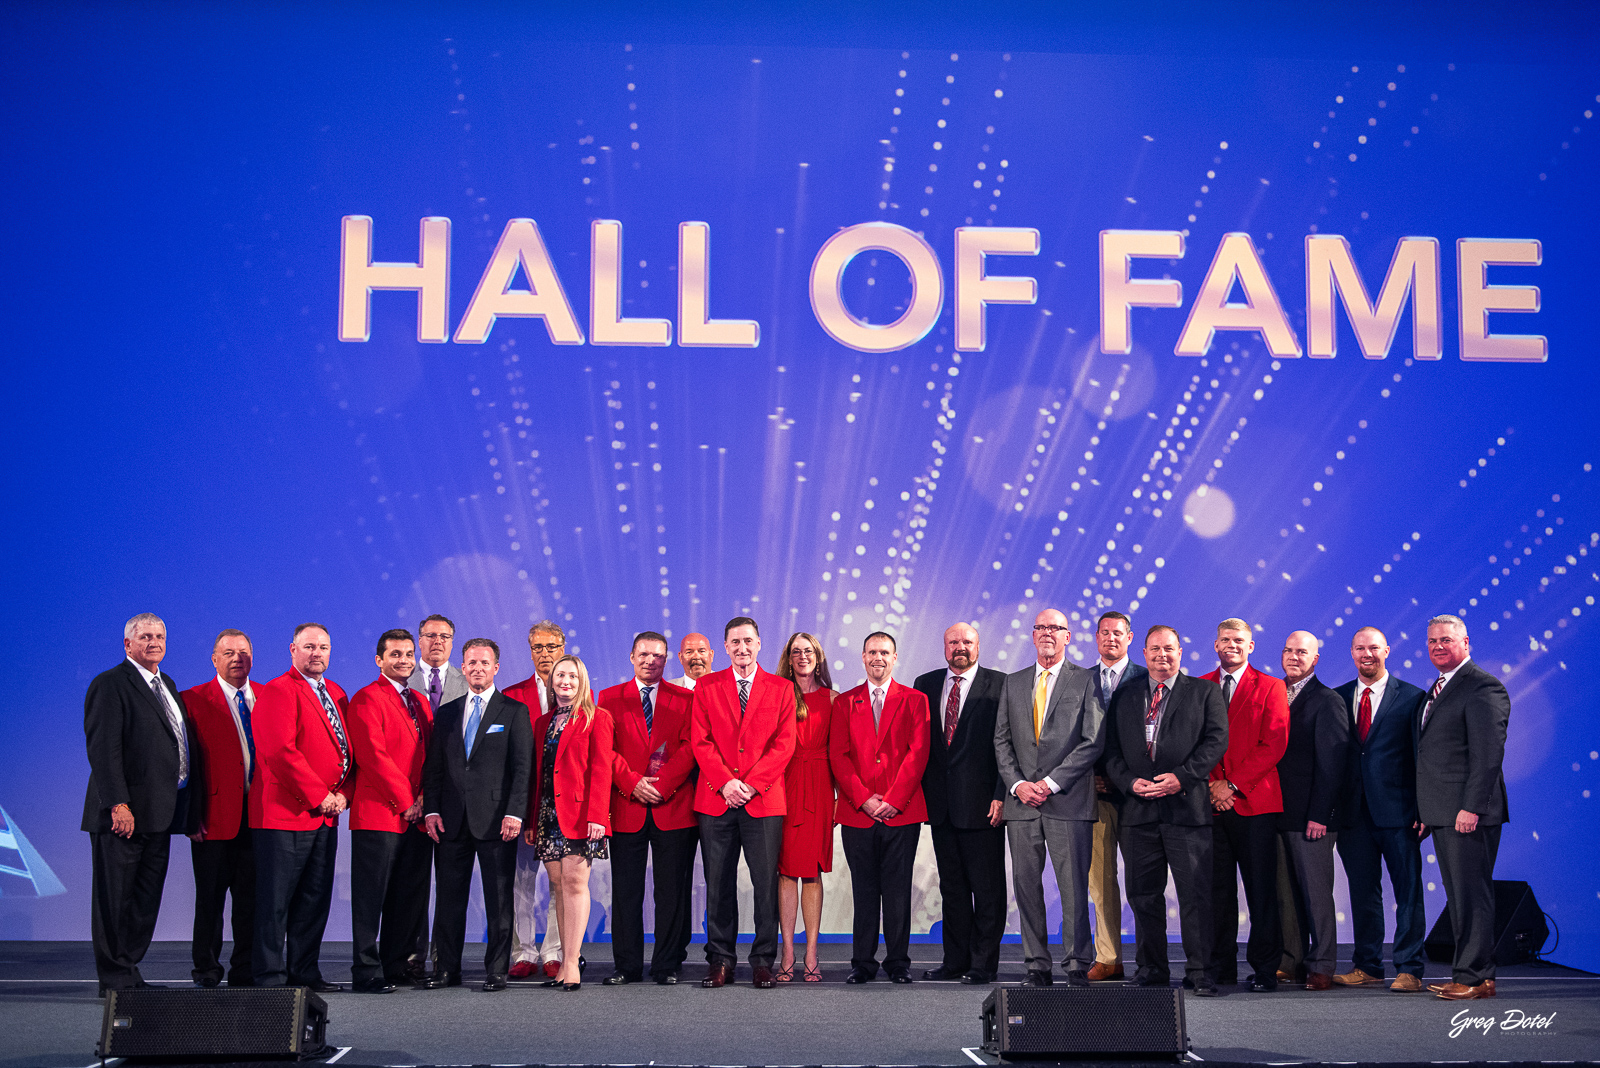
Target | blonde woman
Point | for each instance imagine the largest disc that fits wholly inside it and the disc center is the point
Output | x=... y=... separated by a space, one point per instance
x=569 y=811
x=807 y=849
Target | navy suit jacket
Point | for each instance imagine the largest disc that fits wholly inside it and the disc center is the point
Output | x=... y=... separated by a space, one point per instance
x=1132 y=675
x=1383 y=771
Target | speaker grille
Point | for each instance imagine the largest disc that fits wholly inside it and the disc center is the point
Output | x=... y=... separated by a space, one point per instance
x=1117 y=1021
x=241 y=1022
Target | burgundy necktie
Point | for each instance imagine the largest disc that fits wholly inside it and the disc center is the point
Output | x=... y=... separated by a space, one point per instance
x=414 y=706
x=1364 y=716
x=952 y=709
x=1151 y=716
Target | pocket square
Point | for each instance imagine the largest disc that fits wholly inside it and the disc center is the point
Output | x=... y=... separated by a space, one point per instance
x=495 y=728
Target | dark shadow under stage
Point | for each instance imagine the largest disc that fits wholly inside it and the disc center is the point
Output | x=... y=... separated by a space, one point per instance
x=50 y=1017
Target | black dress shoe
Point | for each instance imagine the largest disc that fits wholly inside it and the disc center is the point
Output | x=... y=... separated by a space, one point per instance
x=620 y=979
x=900 y=976
x=1263 y=986
x=439 y=980
x=493 y=984
x=667 y=979
x=1037 y=978
x=373 y=986
x=208 y=982
x=1145 y=979
x=977 y=978
x=1205 y=988
x=1077 y=978
x=322 y=986
x=942 y=974
x=860 y=975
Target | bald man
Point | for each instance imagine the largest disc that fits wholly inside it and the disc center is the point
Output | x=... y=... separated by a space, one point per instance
x=961 y=785
x=1048 y=733
x=695 y=654
x=1312 y=774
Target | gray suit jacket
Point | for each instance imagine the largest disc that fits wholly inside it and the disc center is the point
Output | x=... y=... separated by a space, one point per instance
x=450 y=678
x=1461 y=749
x=1074 y=734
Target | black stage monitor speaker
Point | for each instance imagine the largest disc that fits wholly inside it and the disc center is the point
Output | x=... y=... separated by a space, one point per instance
x=1519 y=926
x=243 y=1023
x=1085 y=1023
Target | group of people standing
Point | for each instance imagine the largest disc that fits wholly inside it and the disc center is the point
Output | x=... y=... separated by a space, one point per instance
x=1235 y=776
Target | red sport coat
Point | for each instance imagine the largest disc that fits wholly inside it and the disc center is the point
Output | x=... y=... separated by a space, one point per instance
x=754 y=750
x=223 y=755
x=527 y=691
x=582 y=776
x=633 y=746
x=389 y=749
x=1258 y=734
x=886 y=758
x=297 y=755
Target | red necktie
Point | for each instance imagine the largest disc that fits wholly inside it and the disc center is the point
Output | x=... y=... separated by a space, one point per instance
x=952 y=709
x=1152 y=715
x=1364 y=716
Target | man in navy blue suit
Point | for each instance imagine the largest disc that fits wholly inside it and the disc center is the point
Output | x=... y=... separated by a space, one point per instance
x=1380 y=817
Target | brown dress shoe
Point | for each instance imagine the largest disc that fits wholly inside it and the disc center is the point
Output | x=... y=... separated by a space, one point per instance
x=1319 y=981
x=717 y=976
x=762 y=978
x=1405 y=983
x=1357 y=977
x=1284 y=977
x=1460 y=992
x=1099 y=973
x=1434 y=988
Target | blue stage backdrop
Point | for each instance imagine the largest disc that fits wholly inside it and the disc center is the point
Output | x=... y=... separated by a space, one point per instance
x=357 y=318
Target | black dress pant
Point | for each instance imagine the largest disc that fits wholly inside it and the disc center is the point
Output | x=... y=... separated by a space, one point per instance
x=223 y=867
x=129 y=874
x=1148 y=850
x=673 y=872
x=294 y=890
x=721 y=839
x=388 y=889
x=497 y=868
x=880 y=859
x=1250 y=845
x=972 y=884
x=1466 y=866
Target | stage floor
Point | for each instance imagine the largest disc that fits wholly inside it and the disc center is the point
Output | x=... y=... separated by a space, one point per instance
x=50 y=1018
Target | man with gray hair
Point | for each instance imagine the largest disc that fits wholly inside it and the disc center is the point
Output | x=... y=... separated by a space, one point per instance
x=1461 y=798
x=547 y=643
x=144 y=769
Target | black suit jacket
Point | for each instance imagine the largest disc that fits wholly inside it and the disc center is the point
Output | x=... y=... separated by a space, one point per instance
x=1133 y=674
x=1315 y=768
x=962 y=779
x=475 y=795
x=1192 y=737
x=133 y=754
x=1461 y=748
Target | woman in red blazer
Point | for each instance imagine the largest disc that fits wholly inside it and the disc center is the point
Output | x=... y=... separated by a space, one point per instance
x=807 y=849
x=569 y=812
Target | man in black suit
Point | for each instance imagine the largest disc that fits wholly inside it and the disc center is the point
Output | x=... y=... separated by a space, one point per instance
x=961 y=785
x=1112 y=637
x=1163 y=739
x=1312 y=772
x=1461 y=798
x=141 y=779
x=474 y=785
x=1378 y=817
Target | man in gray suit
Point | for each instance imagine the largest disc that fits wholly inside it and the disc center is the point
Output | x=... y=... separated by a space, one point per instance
x=435 y=676
x=1048 y=733
x=1461 y=798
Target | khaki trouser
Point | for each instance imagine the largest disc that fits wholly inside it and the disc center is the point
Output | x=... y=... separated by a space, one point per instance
x=1103 y=890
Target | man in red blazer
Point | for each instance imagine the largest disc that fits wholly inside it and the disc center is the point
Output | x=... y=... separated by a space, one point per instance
x=389 y=853
x=1247 y=801
x=878 y=748
x=223 y=858
x=304 y=780
x=652 y=812
x=743 y=733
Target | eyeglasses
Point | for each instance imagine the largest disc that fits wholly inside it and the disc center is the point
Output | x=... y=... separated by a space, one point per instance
x=440 y=636
x=1049 y=628
x=548 y=648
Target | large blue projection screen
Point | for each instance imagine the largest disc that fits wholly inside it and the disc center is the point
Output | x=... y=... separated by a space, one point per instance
x=843 y=339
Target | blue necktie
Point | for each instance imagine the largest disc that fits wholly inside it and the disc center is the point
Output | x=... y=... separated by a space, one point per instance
x=649 y=709
x=244 y=721
x=473 y=719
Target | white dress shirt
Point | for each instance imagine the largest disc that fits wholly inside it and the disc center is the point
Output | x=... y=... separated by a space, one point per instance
x=171 y=707
x=229 y=692
x=966 y=678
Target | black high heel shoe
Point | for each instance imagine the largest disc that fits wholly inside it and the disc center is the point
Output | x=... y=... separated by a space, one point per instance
x=551 y=982
x=572 y=986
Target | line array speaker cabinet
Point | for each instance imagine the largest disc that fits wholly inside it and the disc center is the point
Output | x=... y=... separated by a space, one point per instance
x=1519 y=926
x=243 y=1023
x=1077 y=1022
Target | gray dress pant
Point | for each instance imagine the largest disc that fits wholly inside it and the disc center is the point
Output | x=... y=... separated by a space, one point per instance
x=1070 y=844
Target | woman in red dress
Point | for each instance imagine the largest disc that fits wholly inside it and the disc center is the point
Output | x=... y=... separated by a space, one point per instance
x=808 y=787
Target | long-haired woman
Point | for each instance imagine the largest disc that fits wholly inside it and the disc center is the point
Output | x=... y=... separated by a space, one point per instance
x=807 y=849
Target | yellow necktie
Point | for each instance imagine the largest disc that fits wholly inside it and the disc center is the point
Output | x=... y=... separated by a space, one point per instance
x=1038 y=705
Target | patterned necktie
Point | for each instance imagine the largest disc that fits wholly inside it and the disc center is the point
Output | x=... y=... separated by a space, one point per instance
x=473 y=719
x=1038 y=705
x=744 y=696
x=877 y=707
x=1364 y=716
x=952 y=710
x=338 y=728
x=414 y=706
x=435 y=690
x=649 y=710
x=244 y=721
x=1227 y=690
x=1433 y=695
x=175 y=721
x=1108 y=684
x=1152 y=717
